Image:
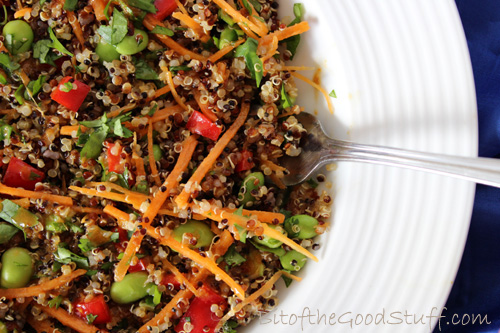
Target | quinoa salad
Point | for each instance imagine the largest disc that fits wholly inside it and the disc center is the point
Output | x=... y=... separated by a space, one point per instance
x=140 y=180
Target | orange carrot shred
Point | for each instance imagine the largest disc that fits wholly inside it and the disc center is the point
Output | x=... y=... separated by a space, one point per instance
x=317 y=86
x=20 y=192
x=44 y=287
x=225 y=50
x=22 y=12
x=245 y=24
x=209 y=161
x=166 y=312
x=70 y=321
x=77 y=28
x=288 y=32
x=191 y=23
x=179 y=276
x=99 y=6
x=204 y=107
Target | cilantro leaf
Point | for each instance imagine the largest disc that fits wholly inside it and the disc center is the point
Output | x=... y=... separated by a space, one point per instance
x=17 y=215
x=7 y=231
x=65 y=256
x=8 y=64
x=146 y=5
x=162 y=31
x=105 y=32
x=155 y=292
x=55 y=302
x=41 y=51
x=286 y=101
x=93 y=146
x=85 y=245
x=292 y=43
x=232 y=257
x=57 y=44
x=90 y=318
x=70 y=5
x=248 y=50
x=229 y=326
x=333 y=94
x=145 y=72
x=119 y=27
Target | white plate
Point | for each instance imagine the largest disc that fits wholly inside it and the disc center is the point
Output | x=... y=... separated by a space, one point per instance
x=402 y=73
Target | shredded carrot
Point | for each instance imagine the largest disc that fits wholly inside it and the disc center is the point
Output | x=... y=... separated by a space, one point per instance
x=162 y=91
x=72 y=130
x=202 y=261
x=121 y=216
x=87 y=210
x=109 y=195
x=7 y=111
x=255 y=18
x=24 y=202
x=317 y=86
x=20 y=192
x=22 y=12
x=131 y=196
x=150 y=22
x=99 y=6
x=117 y=112
x=291 y=276
x=170 y=212
x=166 y=112
x=271 y=50
x=171 y=182
x=245 y=24
x=170 y=82
x=277 y=181
x=288 y=32
x=151 y=157
x=282 y=238
x=181 y=7
x=179 y=276
x=204 y=107
x=209 y=161
x=273 y=166
x=225 y=50
x=77 y=28
x=191 y=23
x=262 y=216
x=41 y=288
x=166 y=312
x=70 y=321
x=41 y=326
x=253 y=297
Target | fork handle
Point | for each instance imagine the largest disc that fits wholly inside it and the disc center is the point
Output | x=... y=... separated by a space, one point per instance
x=478 y=169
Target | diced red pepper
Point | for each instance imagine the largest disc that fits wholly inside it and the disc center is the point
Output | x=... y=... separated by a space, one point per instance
x=70 y=97
x=140 y=266
x=95 y=307
x=246 y=162
x=114 y=159
x=171 y=279
x=21 y=174
x=165 y=8
x=199 y=314
x=198 y=123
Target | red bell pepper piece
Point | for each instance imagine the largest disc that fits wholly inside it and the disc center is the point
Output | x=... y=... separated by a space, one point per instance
x=165 y=8
x=199 y=314
x=95 y=307
x=170 y=279
x=21 y=174
x=114 y=159
x=140 y=266
x=246 y=162
x=122 y=238
x=70 y=97
x=198 y=123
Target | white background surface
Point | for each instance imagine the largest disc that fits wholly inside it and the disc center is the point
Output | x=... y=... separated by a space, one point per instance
x=403 y=78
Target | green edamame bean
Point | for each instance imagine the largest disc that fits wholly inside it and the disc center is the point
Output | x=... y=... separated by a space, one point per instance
x=293 y=261
x=132 y=288
x=18 y=36
x=227 y=36
x=106 y=52
x=198 y=229
x=3 y=328
x=268 y=241
x=17 y=268
x=157 y=152
x=133 y=44
x=251 y=182
x=301 y=226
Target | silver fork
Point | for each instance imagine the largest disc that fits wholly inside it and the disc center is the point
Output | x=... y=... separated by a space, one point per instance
x=318 y=149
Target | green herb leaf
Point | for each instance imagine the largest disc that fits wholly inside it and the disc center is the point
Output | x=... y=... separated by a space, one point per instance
x=65 y=256
x=232 y=257
x=277 y=251
x=333 y=94
x=90 y=318
x=70 y=5
x=57 y=44
x=256 y=4
x=96 y=123
x=248 y=50
x=106 y=9
x=247 y=6
x=146 y=5
x=17 y=215
x=66 y=87
x=162 y=31
x=153 y=291
x=35 y=86
x=230 y=326
x=288 y=280
x=119 y=27
x=175 y=69
x=5 y=130
x=41 y=51
x=286 y=101
x=7 y=231
x=55 y=302
x=242 y=232
x=85 y=245
x=105 y=32
x=93 y=147
x=292 y=43
x=145 y=72
x=74 y=228
x=19 y=94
